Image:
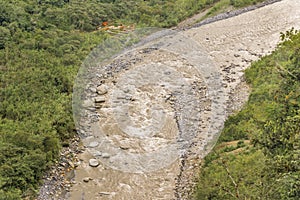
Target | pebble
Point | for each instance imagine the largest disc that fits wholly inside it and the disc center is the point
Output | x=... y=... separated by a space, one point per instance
x=102 y=89
x=86 y=179
x=93 y=162
x=124 y=146
x=93 y=90
x=93 y=144
x=99 y=99
x=105 y=155
x=97 y=153
x=106 y=193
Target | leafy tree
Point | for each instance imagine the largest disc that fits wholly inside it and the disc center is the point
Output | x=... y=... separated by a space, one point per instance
x=4 y=36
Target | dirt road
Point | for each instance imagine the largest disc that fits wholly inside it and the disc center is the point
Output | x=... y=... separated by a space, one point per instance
x=160 y=106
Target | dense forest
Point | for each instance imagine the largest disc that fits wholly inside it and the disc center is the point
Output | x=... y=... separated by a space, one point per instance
x=42 y=45
x=258 y=152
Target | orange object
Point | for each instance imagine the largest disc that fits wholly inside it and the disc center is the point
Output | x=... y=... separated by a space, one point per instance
x=104 y=23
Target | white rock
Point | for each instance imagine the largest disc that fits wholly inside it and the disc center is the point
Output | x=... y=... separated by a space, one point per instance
x=97 y=153
x=93 y=144
x=105 y=155
x=107 y=193
x=102 y=89
x=86 y=179
x=93 y=90
x=99 y=99
x=94 y=163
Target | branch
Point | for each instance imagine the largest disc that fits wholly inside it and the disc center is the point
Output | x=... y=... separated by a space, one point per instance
x=228 y=191
x=237 y=193
x=283 y=69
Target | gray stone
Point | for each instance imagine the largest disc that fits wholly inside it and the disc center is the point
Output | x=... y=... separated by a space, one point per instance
x=97 y=153
x=93 y=144
x=102 y=89
x=99 y=99
x=94 y=162
x=91 y=109
x=105 y=155
x=124 y=146
x=86 y=179
x=93 y=90
x=106 y=193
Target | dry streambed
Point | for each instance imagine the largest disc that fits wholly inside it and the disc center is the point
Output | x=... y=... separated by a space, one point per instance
x=152 y=112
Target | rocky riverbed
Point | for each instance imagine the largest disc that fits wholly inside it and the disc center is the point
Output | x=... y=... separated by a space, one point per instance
x=152 y=112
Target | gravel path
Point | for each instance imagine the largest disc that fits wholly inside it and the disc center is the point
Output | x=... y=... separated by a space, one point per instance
x=154 y=111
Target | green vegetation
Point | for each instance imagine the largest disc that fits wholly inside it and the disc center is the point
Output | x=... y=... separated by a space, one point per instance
x=269 y=166
x=243 y=3
x=42 y=45
x=222 y=6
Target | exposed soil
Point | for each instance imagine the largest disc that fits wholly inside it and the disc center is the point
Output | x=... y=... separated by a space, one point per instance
x=220 y=52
